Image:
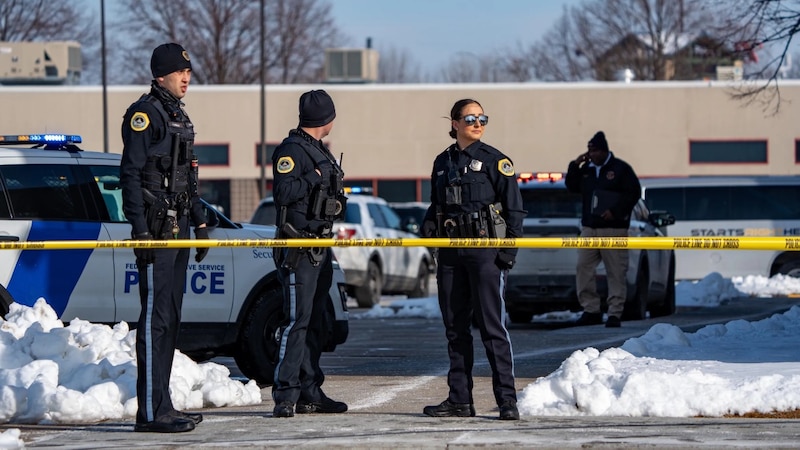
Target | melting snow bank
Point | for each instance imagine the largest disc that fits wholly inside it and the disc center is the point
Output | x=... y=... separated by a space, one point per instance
x=738 y=367
x=87 y=372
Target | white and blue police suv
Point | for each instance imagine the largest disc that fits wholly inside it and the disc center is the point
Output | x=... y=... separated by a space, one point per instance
x=51 y=190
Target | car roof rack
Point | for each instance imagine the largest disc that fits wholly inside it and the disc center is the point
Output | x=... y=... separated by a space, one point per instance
x=44 y=141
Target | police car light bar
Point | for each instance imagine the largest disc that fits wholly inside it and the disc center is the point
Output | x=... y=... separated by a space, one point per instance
x=357 y=190
x=52 y=139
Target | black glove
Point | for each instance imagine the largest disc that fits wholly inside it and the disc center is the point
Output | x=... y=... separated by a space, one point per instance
x=428 y=229
x=144 y=256
x=201 y=233
x=504 y=260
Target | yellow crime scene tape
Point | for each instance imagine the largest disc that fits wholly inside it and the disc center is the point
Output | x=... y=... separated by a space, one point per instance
x=646 y=243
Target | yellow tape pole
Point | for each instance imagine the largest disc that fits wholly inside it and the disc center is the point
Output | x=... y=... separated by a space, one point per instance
x=649 y=243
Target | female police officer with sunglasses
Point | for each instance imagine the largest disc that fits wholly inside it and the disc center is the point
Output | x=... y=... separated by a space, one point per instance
x=474 y=194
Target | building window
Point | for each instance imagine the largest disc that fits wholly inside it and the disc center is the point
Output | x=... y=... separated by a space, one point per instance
x=212 y=154
x=796 y=151
x=270 y=151
x=398 y=190
x=701 y=152
x=218 y=193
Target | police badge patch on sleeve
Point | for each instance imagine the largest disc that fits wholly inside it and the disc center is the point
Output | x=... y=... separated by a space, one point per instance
x=505 y=167
x=285 y=164
x=139 y=121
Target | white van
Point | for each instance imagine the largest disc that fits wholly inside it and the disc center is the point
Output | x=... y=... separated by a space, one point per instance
x=730 y=206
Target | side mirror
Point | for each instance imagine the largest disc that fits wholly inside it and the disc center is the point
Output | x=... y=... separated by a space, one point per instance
x=661 y=219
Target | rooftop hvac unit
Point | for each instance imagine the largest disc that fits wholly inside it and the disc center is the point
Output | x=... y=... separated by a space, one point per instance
x=351 y=65
x=40 y=62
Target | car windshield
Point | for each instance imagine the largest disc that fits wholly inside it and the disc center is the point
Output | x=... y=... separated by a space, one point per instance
x=551 y=203
x=265 y=214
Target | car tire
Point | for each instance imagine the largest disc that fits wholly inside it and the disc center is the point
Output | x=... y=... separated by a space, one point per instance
x=790 y=268
x=636 y=306
x=369 y=294
x=519 y=316
x=257 y=348
x=667 y=308
x=423 y=282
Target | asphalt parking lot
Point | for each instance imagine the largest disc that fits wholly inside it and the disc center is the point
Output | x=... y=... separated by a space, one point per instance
x=390 y=369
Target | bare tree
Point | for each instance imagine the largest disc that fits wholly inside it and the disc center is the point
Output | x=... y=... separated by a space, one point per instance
x=767 y=26
x=643 y=34
x=223 y=38
x=397 y=66
x=468 y=67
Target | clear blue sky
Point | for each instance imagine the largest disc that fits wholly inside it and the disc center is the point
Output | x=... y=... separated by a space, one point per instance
x=432 y=31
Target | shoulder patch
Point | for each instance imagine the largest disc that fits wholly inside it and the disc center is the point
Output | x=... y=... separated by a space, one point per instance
x=285 y=164
x=505 y=167
x=139 y=121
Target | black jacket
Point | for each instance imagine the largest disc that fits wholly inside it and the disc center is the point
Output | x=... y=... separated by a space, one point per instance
x=294 y=168
x=486 y=176
x=617 y=177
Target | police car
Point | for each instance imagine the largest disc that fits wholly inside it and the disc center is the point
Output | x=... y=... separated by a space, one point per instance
x=55 y=191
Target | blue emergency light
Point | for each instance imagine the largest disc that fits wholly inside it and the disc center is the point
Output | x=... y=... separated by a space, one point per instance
x=39 y=139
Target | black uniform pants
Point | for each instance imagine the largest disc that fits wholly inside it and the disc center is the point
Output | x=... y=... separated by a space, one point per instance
x=305 y=293
x=161 y=295
x=471 y=286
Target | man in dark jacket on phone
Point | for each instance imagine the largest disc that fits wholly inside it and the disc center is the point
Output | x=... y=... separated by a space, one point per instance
x=610 y=189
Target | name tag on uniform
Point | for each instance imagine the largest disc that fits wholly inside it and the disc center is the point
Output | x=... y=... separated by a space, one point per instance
x=475 y=165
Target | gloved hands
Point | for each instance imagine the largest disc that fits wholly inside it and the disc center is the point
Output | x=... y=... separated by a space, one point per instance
x=504 y=260
x=201 y=233
x=428 y=229
x=144 y=256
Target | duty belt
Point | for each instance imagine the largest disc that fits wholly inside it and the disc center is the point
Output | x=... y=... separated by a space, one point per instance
x=471 y=225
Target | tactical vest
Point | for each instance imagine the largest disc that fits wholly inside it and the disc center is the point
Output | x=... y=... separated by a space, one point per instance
x=175 y=148
x=327 y=201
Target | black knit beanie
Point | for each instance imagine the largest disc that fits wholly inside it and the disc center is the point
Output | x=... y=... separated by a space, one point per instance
x=168 y=58
x=316 y=109
x=599 y=142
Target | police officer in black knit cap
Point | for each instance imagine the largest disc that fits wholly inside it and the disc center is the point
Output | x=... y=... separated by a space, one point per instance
x=158 y=174
x=309 y=195
x=474 y=194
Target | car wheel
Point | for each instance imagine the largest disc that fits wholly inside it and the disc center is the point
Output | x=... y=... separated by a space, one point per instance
x=422 y=286
x=636 y=306
x=257 y=348
x=369 y=294
x=791 y=268
x=519 y=316
x=667 y=308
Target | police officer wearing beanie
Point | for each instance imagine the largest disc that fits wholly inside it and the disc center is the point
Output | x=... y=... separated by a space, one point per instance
x=158 y=175
x=610 y=189
x=309 y=195
x=474 y=194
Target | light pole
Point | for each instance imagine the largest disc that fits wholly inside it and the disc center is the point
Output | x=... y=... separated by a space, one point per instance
x=103 y=70
x=262 y=146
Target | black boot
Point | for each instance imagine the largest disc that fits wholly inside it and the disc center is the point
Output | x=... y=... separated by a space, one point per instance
x=165 y=424
x=283 y=409
x=448 y=409
x=325 y=406
x=589 y=319
x=509 y=411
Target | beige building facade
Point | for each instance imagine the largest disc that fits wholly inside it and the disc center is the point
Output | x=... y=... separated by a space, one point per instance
x=389 y=134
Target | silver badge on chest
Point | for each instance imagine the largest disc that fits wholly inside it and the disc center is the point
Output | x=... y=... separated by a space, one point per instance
x=475 y=165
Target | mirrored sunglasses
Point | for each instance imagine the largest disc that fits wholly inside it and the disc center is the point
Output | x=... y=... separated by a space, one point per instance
x=470 y=119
